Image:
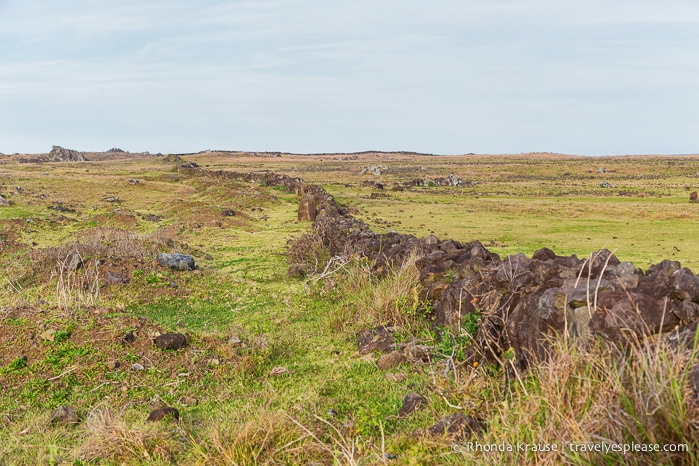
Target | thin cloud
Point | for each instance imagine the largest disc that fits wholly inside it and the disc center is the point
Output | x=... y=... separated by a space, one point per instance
x=449 y=76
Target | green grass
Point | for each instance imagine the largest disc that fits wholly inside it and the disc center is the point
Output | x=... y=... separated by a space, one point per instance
x=244 y=413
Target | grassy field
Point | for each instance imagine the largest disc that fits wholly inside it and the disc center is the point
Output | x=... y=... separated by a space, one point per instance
x=270 y=374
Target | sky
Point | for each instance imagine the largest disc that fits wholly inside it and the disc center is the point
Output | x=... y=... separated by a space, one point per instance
x=586 y=77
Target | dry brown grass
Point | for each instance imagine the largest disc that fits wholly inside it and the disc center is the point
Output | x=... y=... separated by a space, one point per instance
x=390 y=298
x=104 y=243
x=109 y=437
x=267 y=438
x=594 y=395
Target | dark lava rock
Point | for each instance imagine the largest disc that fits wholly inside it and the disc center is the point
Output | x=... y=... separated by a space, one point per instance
x=73 y=261
x=375 y=339
x=176 y=261
x=65 y=415
x=228 y=213
x=115 y=278
x=457 y=425
x=297 y=270
x=307 y=208
x=161 y=413
x=59 y=207
x=411 y=403
x=129 y=338
x=392 y=359
x=171 y=341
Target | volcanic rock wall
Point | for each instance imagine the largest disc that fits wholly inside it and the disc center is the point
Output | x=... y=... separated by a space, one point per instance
x=523 y=301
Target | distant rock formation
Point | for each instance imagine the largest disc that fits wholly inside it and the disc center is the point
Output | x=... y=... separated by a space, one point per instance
x=116 y=149
x=59 y=154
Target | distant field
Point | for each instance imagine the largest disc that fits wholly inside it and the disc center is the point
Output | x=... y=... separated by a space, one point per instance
x=519 y=203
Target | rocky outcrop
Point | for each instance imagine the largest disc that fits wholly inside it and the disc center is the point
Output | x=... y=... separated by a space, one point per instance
x=59 y=154
x=374 y=170
x=450 y=180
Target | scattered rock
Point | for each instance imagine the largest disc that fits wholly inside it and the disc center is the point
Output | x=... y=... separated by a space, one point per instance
x=279 y=370
x=228 y=213
x=152 y=218
x=111 y=199
x=115 y=278
x=606 y=184
x=396 y=377
x=137 y=367
x=374 y=170
x=189 y=401
x=65 y=415
x=59 y=207
x=73 y=261
x=390 y=360
x=176 y=261
x=48 y=335
x=235 y=341
x=411 y=403
x=450 y=180
x=297 y=270
x=133 y=181
x=161 y=413
x=457 y=425
x=375 y=339
x=130 y=337
x=170 y=341
x=418 y=353
x=4 y=202
x=111 y=365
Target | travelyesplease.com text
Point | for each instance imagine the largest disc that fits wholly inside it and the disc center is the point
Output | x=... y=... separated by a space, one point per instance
x=605 y=448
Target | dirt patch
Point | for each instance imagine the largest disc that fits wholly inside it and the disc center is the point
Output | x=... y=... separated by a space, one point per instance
x=95 y=349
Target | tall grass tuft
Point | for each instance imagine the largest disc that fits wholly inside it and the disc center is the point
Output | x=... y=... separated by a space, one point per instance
x=109 y=438
x=595 y=395
x=369 y=299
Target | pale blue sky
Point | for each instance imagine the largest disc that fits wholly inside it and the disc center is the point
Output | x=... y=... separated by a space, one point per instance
x=586 y=77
